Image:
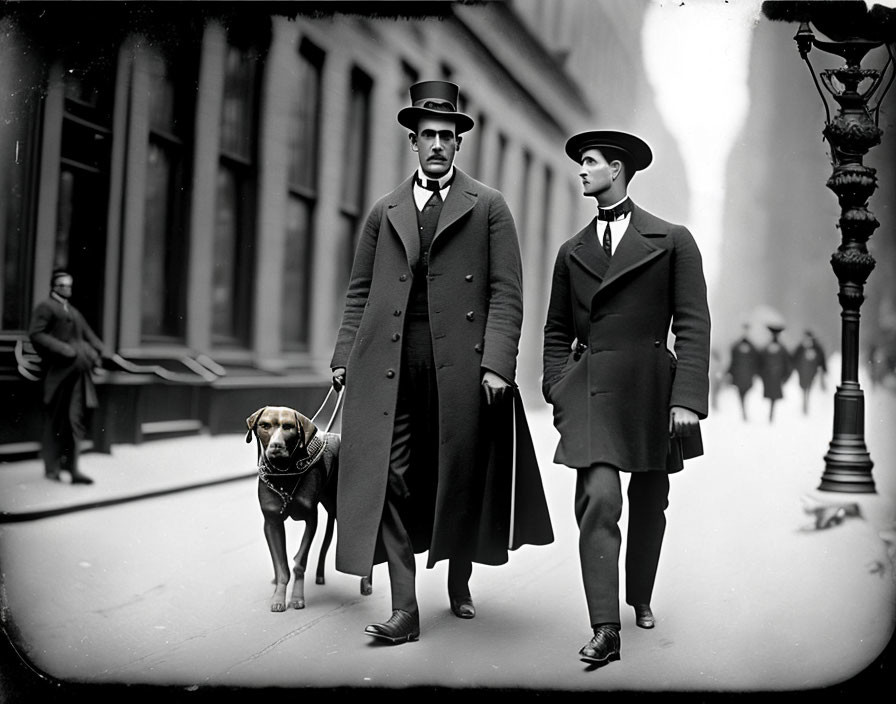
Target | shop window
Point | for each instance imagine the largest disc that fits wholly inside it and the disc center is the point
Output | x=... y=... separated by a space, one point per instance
x=304 y=141
x=234 y=233
x=165 y=236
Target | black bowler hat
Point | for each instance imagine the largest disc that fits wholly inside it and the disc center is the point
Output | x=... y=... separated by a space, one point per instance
x=636 y=150
x=434 y=99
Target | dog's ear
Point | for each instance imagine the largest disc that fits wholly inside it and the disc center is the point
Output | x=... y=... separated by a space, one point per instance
x=308 y=428
x=252 y=421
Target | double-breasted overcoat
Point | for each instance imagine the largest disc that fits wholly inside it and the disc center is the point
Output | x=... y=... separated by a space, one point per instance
x=475 y=312
x=608 y=370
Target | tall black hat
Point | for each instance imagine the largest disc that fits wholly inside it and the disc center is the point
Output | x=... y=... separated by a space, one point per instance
x=434 y=99
x=637 y=151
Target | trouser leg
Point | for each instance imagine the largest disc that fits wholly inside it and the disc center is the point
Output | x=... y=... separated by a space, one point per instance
x=400 y=559
x=598 y=508
x=459 y=572
x=396 y=542
x=648 y=498
x=58 y=442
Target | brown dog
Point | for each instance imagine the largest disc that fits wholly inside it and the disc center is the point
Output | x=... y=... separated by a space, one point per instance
x=297 y=471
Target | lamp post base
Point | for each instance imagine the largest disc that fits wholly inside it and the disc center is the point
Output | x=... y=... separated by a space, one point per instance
x=848 y=463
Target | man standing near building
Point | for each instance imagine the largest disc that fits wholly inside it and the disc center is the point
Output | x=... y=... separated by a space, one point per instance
x=70 y=351
x=622 y=401
x=427 y=352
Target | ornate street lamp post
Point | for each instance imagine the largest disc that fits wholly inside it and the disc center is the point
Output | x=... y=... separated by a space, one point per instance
x=851 y=133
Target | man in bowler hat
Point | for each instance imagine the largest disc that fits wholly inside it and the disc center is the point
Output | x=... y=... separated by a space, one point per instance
x=623 y=402
x=426 y=354
x=70 y=350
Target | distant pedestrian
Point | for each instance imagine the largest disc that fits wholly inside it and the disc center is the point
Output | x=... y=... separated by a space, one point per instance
x=809 y=362
x=775 y=369
x=743 y=368
x=717 y=377
x=70 y=351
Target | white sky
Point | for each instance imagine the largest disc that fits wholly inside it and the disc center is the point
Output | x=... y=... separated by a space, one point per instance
x=696 y=57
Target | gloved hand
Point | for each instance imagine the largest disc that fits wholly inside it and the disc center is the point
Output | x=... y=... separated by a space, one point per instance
x=339 y=379
x=495 y=387
x=682 y=421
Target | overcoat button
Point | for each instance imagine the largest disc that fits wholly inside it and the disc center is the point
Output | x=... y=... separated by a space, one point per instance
x=395 y=337
x=403 y=277
x=470 y=315
x=390 y=374
x=478 y=348
x=468 y=277
x=656 y=343
x=396 y=312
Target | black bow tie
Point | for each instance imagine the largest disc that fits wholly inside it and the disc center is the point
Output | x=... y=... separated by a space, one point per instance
x=430 y=184
x=610 y=214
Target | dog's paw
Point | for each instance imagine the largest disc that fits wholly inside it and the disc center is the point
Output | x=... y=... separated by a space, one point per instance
x=320 y=580
x=278 y=607
x=295 y=603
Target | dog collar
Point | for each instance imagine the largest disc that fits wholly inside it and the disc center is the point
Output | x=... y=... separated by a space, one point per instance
x=314 y=449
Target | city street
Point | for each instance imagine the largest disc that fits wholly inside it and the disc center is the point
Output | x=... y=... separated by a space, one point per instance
x=172 y=589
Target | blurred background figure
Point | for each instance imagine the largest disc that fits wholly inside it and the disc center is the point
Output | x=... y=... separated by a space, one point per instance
x=882 y=361
x=70 y=351
x=743 y=367
x=775 y=369
x=809 y=361
x=717 y=377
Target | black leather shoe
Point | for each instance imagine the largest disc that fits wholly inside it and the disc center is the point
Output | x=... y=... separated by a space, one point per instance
x=401 y=627
x=603 y=646
x=462 y=606
x=78 y=478
x=644 y=616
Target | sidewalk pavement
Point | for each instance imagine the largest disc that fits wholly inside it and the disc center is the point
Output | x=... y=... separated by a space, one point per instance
x=763 y=578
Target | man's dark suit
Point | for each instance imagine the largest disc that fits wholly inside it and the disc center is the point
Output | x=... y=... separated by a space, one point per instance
x=70 y=350
x=612 y=381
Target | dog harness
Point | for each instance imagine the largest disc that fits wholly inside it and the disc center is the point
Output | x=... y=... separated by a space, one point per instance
x=314 y=450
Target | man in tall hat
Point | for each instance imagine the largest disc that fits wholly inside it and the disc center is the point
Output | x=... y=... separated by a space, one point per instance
x=70 y=350
x=426 y=354
x=623 y=402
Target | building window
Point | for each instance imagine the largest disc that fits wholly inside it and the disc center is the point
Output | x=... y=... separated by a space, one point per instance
x=18 y=152
x=501 y=161
x=234 y=236
x=304 y=136
x=83 y=188
x=525 y=224
x=407 y=160
x=354 y=170
x=165 y=239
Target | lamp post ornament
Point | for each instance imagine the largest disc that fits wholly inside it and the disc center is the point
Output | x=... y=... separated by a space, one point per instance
x=851 y=133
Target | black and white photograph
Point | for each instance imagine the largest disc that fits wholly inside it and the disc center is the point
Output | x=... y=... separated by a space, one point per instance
x=516 y=348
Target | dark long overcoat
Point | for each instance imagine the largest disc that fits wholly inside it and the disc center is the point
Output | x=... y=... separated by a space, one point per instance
x=744 y=365
x=611 y=402
x=66 y=344
x=809 y=360
x=476 y=309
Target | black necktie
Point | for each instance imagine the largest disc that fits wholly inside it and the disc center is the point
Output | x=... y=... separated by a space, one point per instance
x=609 y=215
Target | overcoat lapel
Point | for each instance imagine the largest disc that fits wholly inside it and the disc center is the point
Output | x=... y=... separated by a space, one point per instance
x=588 y=254
x=635 y=249
x=402 y=214
x=461 y=199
